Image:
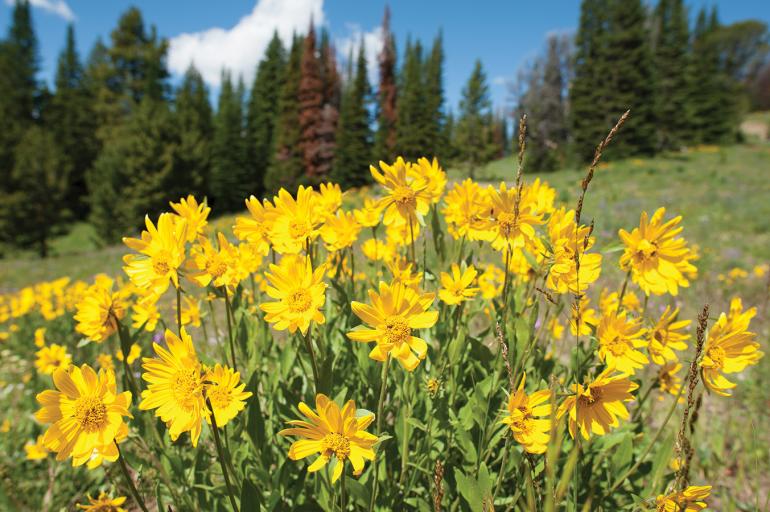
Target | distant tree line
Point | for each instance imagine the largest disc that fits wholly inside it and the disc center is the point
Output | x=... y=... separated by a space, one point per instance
x=114 y=141
x=685 y=83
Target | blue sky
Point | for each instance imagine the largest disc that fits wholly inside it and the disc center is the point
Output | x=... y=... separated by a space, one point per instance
x=504 y=34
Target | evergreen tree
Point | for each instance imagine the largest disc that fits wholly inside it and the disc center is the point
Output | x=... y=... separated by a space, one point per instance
x=387 y=113
x=229 y=175
x=311 y=99
x=194 y=120
x=107 y=110
x=433 y=120
x=73 y=124
x=449 y=151
x=410 y=129
x=262 y=114
x=37 y=208
x=354 y=138
x=330 y=112
x=286 y=166
x=474 y=140
x=675 y=109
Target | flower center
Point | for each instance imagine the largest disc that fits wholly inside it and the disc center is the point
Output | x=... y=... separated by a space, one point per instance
x=589 y=397
x=187 y=388
x=299 y=229
x=218 y=396
x=617 y=346
x=160 y=263
x=405 y=196
x=215 y=267
x=397 y=331
x=717 y=354
x=299 y=301
x=91 y=413
x=646 y=250
x=337 y=445
x=507 y=223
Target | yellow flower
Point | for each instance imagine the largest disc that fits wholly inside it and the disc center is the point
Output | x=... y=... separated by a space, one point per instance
x=730 y=348
x=249 y=260
x=619 y=337
x=504 y=228
x=432 y=174
x=556 y=328
x=256 y=229
x=225 y=391
x=658 y=259
x=395 y=312
x=329 y=198
x=600 y=403
x=340 y=231
x=337 y=435
x=665 y=337
x=465 y=207
x=518 y=264
x=5 y=427
x=491 y=282
x=134 y=352
x=36 y=450
x=401 y=270
x=99 y=310
x=668 y=380
x=294 y=222
x=51 y=358
x=217 y=267
x=433 y=385
x=376 y=250
x=86 y=414
x=175 y=386
x=195 y=214
x=40 y=337
x=608 y=302
x=408 y=195
x=400 y=233
x=105 y=362
x=760 y=270
x=456 y=288
x=525 y=418
x=104 y=504
x=565 y=242
x=589 y=318
x=162 y=253
x=191 y=311
x=541 y=194
x=692 y=499
x=369 y=215
x=300 y=293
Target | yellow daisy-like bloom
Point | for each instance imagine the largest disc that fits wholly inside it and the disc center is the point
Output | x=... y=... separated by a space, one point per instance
x=300 y=293
x=401 y=270
x=525 y=418
x=340 y=231
x=51 y=358
x=730 y=348
x=589 y=317
x=105 y=362
x=408 y=194
x=400 y=233
x=99 y=310
x=162 y=253
x=255 y=229
x=456 y=287
x=556 y=328
x=209 y=265
x=40 y=337
x=85 y=414
x=294 y=222
x=666 y=337
x=329 y=198
x=692 y=499
x=491 y=282
x=619 y=337
x=465 y=207
x=369 y=215
x=337 y=435
x=660 y=261
x=668 y=380
x=191 y=311
x=36 y=450
x=595 y=408
x=377 y=250
x=542 y=194
x=518 y=263
x=249 y=260
x=134 y=352
x=145 y=314
x=432 y=174
x=566 y=242
x=504 y=229
x=608 y=302
x=225 y=391
x=175 y=386
x=104 y=504
x=195 y=214
x=395 y=312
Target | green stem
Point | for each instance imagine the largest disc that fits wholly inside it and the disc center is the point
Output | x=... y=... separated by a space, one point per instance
x=380 y=406
x=131 y=485
x=221 y=455
x=407 y=411
x=230 y=328
x=502 y=466
x=411 y=234
x=309 y=347
x=179 y=310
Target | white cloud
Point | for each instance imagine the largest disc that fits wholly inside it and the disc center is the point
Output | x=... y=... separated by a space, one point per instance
x=373 y=41
x=239 y=48
x=57 y=7
x=500 y=80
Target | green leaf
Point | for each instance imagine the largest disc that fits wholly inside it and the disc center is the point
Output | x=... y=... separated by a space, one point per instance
x=251 y=499
x=621 y=459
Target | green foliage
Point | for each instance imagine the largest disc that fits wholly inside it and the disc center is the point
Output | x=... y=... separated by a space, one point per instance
x=229 y=175
x=474 y=126
x=435 y=143
x=410 y=134
x=194 y=120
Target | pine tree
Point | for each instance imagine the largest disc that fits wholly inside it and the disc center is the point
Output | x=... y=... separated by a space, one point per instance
x=330 y=112
x=108 y=111
x=410 y=130
x=194 y=120
x=286 y=166
x=387 y=113
x=311 y=99
x=474 y=125
x=433 y=120
x=354 y=138
x=262 y=113
x=229 y=174
x=675 y=109
x=73 y=124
